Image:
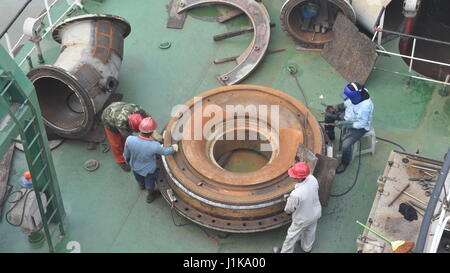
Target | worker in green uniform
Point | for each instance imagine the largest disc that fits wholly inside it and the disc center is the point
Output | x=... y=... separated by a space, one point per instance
x=120 y=120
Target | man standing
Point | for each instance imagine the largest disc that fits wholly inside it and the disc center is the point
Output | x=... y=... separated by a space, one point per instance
x=120 y=120
x=357 y=119
x=304 y=206
x=140 y=152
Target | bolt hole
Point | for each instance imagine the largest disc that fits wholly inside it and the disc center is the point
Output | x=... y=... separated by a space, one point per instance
x=160 y=180
x=183 y=169
x=199 y=216
x=213 y=220
x=260 y=223
x=244 y=224
x=186 y=209
x=275 y=219
x=228 y=224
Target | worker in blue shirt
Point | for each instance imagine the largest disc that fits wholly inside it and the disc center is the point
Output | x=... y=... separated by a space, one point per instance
x=140 y=153
x=357 y=119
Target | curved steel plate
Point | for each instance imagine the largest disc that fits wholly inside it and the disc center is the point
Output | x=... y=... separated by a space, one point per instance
x=253 y=55
x=125 y=27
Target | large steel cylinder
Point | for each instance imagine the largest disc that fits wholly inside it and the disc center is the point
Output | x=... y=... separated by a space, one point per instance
x=229 y=182
x=74 y=89
x=310 y=22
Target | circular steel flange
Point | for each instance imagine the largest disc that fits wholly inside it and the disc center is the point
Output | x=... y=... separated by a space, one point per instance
x=121 y=23
x=290 y=22
x=211 y=195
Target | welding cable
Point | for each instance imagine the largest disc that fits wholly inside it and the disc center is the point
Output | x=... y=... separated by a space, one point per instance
x=178 y=225
x=356 y=176
x=392 y=142
x=359 y=165
x=293 y=71
x=209 y=236
x=15 y=202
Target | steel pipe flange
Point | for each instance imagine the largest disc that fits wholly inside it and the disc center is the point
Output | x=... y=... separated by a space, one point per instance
x=232 y=176
x=304 y=30
x=74 y=89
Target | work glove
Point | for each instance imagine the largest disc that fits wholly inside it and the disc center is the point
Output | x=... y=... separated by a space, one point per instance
x=344 y=124
x=340 y=107
x=175 y=147
x=156 y=136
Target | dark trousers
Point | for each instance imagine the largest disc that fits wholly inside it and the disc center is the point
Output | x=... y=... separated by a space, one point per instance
x=148 y=180
x=351 y=136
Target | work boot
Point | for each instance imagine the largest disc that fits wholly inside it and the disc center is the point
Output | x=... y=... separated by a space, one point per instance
x=125 y=167
x=276 y=249
x=152 y=194
x=341 y=168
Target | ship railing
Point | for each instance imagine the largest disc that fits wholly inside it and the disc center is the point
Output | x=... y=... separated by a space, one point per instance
x=378 y=34
x=52 y=19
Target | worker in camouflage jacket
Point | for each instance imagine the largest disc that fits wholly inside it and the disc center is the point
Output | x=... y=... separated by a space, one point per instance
x=120 y=120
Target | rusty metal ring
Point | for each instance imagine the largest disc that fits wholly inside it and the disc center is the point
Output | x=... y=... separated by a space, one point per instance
x=211 y=194
x=254 y=53
x=291 y=25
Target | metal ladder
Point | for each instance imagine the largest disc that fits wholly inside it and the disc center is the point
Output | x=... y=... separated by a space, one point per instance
x=27 y=118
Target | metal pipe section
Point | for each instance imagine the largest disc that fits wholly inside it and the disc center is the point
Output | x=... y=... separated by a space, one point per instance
x=75 y=88
x=404 y=42
x=368 y=12
x=429 y=213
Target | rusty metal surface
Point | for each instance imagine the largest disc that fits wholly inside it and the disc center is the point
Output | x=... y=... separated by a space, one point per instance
x=290 y=22
x=175 y=20
x=253 y=55
x=230 y=15
x=352 y=53
x=324 y=172
x=253 y=198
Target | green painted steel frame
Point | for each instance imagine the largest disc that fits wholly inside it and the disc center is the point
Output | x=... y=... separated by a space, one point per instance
x=16 y=88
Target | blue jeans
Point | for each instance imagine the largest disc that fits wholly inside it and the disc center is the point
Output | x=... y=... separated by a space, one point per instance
x=148 y=180
x=351 y=136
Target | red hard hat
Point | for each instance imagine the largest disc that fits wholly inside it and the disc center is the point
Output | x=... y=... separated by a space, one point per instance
x=134 y=121
x=27 y=175
x=148 y=125
x=299 y=170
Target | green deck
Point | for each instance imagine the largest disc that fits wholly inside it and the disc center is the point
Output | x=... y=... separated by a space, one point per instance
x=108 y=213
